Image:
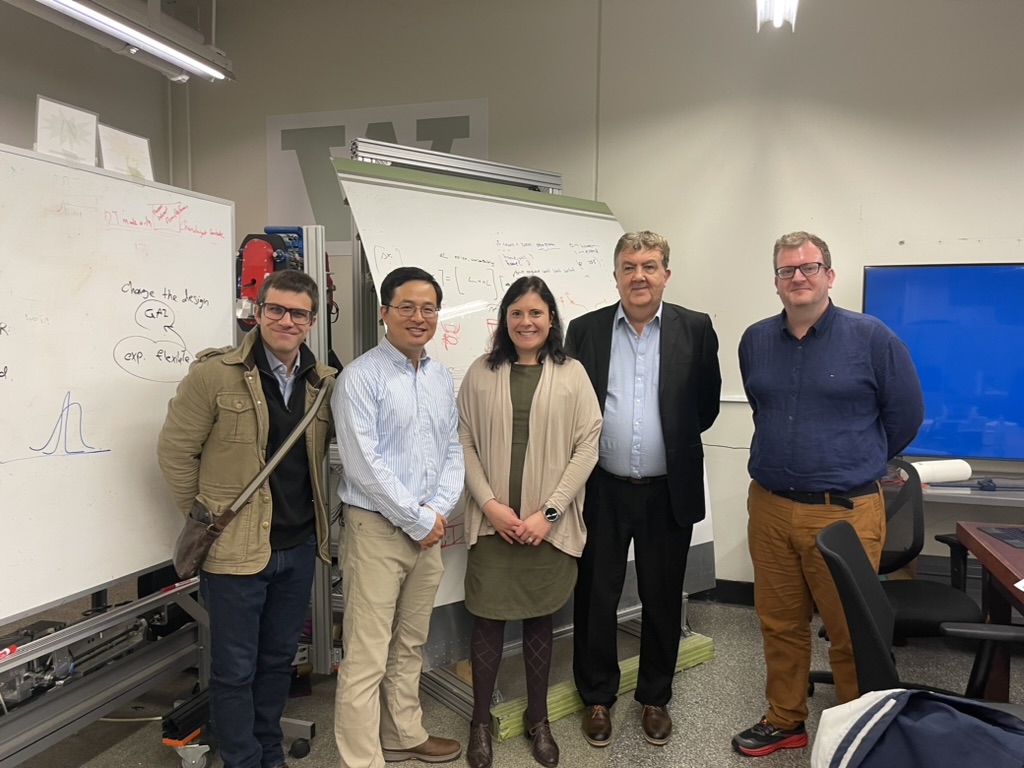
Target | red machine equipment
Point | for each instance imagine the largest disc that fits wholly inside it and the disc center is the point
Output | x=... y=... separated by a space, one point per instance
x=259 y=255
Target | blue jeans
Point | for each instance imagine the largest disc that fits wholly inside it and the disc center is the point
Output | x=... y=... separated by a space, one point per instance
x=255 y=622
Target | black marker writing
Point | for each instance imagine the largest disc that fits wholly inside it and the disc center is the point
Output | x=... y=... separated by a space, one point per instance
x=132 y=289
x=154 y=313
x=174 y=356
x=192 y=298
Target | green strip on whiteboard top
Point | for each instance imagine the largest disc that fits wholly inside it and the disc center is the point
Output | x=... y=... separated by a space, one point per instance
x=459 y=184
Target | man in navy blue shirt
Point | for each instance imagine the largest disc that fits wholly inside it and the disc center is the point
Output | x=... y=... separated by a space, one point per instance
x=835 y=395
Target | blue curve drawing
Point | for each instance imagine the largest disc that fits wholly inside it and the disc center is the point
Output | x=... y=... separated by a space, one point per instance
x=65 y=432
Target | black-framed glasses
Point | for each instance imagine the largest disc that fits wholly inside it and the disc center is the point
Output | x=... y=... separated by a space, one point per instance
x=277 y=312
x=427 y=311
x=810 y=269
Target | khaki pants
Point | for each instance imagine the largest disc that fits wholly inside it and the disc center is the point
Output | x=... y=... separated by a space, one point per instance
x=790 y=577
x=389 y=585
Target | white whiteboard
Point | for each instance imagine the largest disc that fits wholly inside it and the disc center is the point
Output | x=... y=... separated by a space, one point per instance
x=108 y=288
x=476 y=245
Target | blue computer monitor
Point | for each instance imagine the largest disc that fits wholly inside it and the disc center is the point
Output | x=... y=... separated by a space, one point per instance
x=964 y=325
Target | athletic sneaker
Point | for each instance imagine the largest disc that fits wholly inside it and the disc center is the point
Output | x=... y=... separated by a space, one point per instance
x=764 y=738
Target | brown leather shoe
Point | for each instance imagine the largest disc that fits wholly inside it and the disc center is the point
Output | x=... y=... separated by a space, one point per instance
x=433 y=750
x=545 y=750
x=597 y=726
x=657 y=724
x=478 y=748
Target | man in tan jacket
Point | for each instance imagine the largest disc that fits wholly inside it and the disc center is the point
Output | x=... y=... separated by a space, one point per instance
x=229 y=415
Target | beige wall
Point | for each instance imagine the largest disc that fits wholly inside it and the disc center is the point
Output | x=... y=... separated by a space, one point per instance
x=534 y=61
x=894 y=130
x=38 y=58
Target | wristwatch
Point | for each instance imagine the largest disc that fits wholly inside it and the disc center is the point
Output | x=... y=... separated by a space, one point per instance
x=551 y=515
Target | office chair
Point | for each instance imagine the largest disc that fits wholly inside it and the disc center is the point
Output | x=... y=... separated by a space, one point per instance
x=871 y=619
x=920 y=606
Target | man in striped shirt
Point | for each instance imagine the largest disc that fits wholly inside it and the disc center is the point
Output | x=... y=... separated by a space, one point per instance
x=402 y=473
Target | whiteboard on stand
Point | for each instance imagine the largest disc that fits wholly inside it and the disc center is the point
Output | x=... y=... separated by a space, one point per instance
x=109 y=286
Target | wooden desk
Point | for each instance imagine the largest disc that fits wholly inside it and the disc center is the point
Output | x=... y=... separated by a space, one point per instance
x=1002 y=567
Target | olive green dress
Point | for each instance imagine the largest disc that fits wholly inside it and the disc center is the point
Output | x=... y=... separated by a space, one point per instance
x=518 y=581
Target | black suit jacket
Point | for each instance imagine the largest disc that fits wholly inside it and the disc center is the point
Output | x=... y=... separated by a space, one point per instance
x=689 y=391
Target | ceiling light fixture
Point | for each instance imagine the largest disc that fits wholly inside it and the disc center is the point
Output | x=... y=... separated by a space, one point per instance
x=777 y=12
x=148 y=41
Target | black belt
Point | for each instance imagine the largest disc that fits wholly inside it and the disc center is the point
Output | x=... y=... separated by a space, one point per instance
x=635 y=480
x=840 y=498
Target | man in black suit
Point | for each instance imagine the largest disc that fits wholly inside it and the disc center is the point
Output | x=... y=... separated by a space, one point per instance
x=655 y=369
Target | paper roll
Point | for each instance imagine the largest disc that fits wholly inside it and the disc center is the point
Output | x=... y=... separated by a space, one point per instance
x=943 y=471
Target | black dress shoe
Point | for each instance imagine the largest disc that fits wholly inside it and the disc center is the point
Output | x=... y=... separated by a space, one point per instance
x=478 y=748
x=545 y=750
x=657 y=724
x=597 y=726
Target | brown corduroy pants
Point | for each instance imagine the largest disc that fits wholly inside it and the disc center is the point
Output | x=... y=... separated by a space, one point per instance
x=790 y=578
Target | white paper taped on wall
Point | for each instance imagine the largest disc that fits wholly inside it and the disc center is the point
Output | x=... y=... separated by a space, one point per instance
x=943 y=471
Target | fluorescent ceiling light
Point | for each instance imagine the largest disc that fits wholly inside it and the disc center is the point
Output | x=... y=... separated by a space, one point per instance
x=777 y=12
x=107 y=23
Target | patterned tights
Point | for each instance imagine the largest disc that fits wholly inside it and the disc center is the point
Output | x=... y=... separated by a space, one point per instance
x=487 y=640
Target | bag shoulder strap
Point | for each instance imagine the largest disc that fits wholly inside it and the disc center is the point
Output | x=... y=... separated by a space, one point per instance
x=243 y=498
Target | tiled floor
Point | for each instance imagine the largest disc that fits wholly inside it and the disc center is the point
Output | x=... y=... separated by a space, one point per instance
x=711 y=702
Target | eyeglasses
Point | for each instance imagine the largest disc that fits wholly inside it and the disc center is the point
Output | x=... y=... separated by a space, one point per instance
x=277 y=312
x=809 y=270
x=427 y=311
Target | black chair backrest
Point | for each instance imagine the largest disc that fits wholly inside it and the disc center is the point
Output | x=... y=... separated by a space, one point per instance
x=868 y=612
x=904 y=520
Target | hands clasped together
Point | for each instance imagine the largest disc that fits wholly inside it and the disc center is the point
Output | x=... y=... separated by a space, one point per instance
x=532 y=530
x=437 y=532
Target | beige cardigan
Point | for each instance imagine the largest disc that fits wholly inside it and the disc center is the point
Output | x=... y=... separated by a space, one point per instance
x=565 y=427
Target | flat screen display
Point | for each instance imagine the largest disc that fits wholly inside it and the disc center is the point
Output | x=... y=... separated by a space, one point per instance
x=964 y=325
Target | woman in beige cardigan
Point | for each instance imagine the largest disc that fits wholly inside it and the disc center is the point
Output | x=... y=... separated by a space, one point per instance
x=529 y=423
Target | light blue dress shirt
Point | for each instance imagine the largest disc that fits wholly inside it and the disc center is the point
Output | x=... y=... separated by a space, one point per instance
x=285 y=379
x=398 y=438
x=632 y=443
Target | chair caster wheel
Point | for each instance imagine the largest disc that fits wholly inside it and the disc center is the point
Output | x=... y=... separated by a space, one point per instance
x=299 y=748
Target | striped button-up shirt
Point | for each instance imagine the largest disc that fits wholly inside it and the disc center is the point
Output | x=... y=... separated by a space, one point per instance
x=398 y=438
